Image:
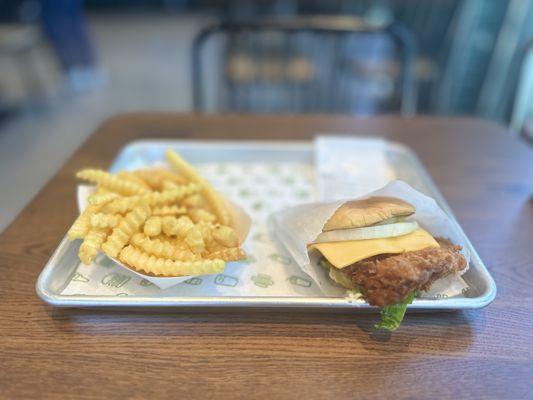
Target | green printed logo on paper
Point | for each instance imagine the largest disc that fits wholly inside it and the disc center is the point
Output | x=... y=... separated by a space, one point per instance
x=299 y=281
x=226 y=280
x=122 y=294
x=279 y=258
x=303 y=194
x=145 y=282
x=77 y=277
x=193 y=281
x=262 y=280
x=258 y=205
x=274 y=169
x=245 y=193
x=289 y=180
x=115 y=280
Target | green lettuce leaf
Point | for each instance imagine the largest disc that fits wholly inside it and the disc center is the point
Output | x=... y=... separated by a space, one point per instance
x=392 y=316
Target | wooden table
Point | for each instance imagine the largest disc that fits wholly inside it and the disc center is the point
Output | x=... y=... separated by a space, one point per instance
x=486 y=176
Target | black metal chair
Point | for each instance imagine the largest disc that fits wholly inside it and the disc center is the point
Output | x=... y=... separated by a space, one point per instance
x=306 y=65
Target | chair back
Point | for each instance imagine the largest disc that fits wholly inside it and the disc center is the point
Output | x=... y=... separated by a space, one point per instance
x=304 y=65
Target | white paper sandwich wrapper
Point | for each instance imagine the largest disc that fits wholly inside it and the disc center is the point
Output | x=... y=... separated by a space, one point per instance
x=350 y=166
x=240 y=219
x=298 y=226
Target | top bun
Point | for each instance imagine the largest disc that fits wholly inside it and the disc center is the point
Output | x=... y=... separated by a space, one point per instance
x=366 y=212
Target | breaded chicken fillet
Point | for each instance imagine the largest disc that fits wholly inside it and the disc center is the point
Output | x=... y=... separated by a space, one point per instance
x=388 y=278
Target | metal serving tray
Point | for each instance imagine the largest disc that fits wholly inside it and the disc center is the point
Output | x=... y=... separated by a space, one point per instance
x=62 y=266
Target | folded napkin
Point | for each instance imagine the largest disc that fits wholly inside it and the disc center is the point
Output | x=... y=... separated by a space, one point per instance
x=349 y=167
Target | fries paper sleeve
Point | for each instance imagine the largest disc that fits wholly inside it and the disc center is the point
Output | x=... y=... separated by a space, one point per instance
x=296 y=227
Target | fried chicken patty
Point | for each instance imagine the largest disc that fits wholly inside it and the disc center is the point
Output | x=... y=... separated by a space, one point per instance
x=388 y=278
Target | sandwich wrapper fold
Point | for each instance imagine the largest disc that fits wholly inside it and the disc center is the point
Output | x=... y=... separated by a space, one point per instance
x=240 y=218
x=298 y=226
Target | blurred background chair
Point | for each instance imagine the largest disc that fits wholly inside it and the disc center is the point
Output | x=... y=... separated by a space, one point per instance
x=522 y=115
x=18 y=43
x=304 y=65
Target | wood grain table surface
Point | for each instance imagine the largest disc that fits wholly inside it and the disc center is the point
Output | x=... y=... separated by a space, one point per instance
x=484 y=173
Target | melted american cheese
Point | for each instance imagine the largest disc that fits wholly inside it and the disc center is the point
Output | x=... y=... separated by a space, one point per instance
x=342 y=254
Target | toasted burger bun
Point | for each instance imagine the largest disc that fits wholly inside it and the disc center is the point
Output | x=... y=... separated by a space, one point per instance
x=366 y=212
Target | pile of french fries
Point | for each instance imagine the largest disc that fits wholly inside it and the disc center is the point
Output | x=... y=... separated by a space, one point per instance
x=156 y=221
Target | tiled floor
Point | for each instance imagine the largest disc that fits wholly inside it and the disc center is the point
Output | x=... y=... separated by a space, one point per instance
x=146 y=60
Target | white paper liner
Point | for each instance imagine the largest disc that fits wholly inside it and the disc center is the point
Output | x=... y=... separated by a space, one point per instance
x=239 y=217
x=260 y=188
x=298 y=226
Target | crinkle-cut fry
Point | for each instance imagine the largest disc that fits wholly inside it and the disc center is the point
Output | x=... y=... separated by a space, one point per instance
x=102 y=190
x=201 y=215
x=91 y=245
x=214 y=247
x=166 y=238
x=155 y=177
x=217 y=237
x=183 y=227
x=210 y=194
x=144 y=262
x=227 y=238
x=170 y=196
x=148 y=176
x=102 y=198
x=194 y=201
x=168 y=185
x=193 y=239
x=178 y=243
x=82 y=225
x=175 y=242
x=129 y=225
x=125 y=204
x=121 y=205
x=152 y=226
x=163 y=211
x=163 y=248
x=225 y=235
x=167 y=175
x=130 y=176
x=207 y=235
x=227 y=254
x=111 y=182
x=101 y=220
x=173 y=226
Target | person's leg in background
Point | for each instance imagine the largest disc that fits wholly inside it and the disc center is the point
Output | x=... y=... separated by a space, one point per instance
x=65 y=25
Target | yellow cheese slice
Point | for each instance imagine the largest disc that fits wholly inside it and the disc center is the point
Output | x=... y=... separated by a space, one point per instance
x=342 y=254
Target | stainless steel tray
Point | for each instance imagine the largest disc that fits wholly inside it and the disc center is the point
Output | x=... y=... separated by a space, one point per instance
x=63 y=265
